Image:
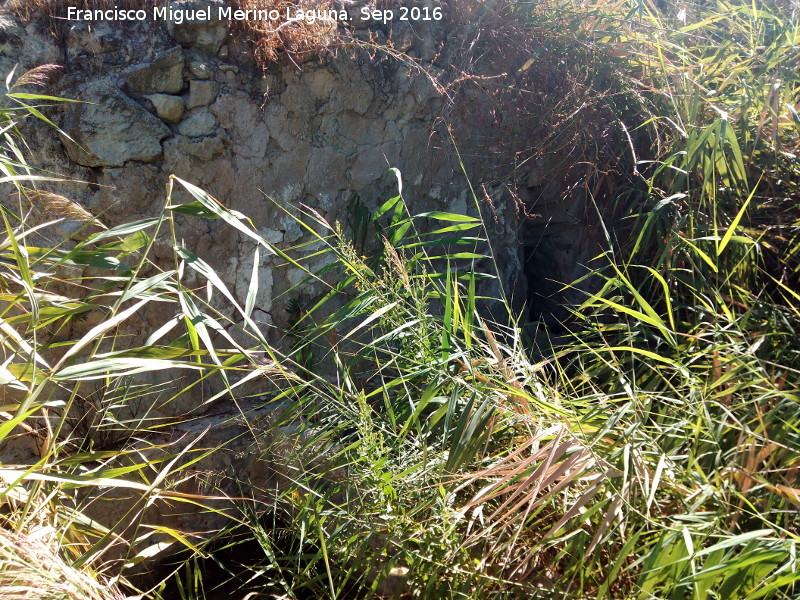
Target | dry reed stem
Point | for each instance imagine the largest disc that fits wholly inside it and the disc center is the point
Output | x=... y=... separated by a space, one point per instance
x=30 y=568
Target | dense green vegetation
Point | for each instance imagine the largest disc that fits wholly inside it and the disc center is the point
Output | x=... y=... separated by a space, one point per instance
x=650 y=452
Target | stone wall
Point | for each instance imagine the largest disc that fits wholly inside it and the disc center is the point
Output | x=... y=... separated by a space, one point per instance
x=163 y=101
x=190 y=100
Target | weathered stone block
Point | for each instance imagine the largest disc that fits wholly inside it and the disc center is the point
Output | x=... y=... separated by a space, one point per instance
x=201 y=93
x=168 y=108
x=112 y=130
x=162 y=76
x=200 y=69
x=199 y=124
x=196 y=30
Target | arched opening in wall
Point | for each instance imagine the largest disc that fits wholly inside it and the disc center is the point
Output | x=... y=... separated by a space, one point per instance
x=565 y=238
x=557 y=260
x=545 y=282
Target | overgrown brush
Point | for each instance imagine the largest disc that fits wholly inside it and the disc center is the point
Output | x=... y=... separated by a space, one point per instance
x=653 y=454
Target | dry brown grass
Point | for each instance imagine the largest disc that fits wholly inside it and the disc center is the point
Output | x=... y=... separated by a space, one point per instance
x=270 y=38
x=30 y=568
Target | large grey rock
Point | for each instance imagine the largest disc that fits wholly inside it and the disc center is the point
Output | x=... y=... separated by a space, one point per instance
x=168 y=108
x=189 y=31
x=199 y=124
x=201 y=93
x=108 y=129
x=162 y=76
x=204 y=148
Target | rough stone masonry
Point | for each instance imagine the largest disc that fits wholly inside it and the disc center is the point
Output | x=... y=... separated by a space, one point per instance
x=188 y=100
x=186 y=97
